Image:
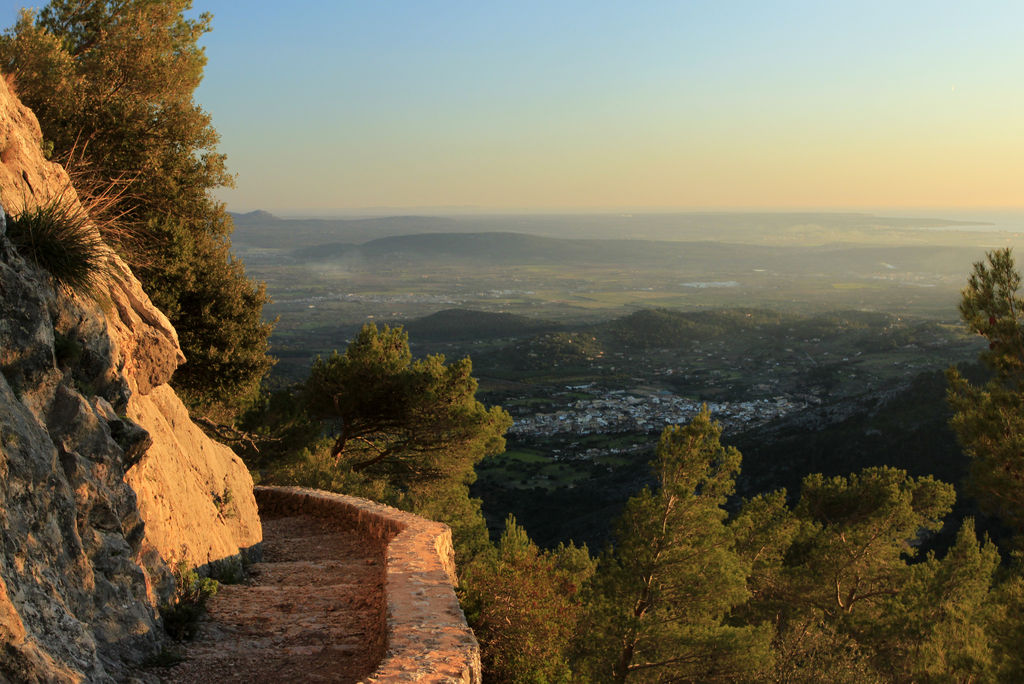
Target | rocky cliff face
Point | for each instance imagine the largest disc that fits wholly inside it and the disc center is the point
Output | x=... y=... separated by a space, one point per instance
x=104 y=480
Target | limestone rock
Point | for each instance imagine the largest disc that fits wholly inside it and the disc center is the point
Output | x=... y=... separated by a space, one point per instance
x=190 y=488
x=75 y=602
x=25 y=175
x=104 y=480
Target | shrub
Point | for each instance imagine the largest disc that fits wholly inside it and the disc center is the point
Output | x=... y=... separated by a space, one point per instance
x=58 y=237
x=191 y=592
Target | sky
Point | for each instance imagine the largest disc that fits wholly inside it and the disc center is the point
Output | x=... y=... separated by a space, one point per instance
x=566 y=105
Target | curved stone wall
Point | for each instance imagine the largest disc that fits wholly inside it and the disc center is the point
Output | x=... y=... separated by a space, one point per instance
x=427 y=637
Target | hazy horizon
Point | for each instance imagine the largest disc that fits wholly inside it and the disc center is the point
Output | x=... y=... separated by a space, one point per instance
x=987 y=218
x=578 y=106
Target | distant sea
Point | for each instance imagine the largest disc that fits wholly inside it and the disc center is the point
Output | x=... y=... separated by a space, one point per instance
x=1010 y=221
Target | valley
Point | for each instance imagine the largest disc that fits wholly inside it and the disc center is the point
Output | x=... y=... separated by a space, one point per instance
x=814 y=357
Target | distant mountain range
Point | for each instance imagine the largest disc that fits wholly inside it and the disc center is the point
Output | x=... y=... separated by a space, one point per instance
x=511 y=249
x=262 y=229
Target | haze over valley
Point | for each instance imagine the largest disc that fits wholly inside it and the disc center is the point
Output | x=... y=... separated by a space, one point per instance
x=597 y=330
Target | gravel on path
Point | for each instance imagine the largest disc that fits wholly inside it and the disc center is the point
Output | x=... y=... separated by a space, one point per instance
x=312 y=611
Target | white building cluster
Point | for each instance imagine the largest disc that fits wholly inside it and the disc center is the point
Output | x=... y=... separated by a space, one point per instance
x=619 y=411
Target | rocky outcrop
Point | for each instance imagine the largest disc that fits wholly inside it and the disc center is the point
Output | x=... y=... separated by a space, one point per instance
x=195 y=495
x=104 y=480
x=76 y=600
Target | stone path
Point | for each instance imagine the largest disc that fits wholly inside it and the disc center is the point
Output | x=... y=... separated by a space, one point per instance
x=313 y=611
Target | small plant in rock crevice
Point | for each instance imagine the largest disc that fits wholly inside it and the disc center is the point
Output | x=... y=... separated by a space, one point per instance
x=182 y=612
x=223 y=502
x=9 y=439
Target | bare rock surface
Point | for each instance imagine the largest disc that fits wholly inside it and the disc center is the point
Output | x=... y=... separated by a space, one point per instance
x=25 y=175
x=194 y=494
x=311 y=611
x=95 y=451
x=75 y=600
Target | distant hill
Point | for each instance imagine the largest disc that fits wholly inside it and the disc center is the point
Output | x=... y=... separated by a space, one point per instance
x=504 y=248
x=264 y=230
x=509 y=249
x=255 y=217
x=666 y=328
x=651 y=329
x=331 y=251
x=462 y=324
x=498 y=248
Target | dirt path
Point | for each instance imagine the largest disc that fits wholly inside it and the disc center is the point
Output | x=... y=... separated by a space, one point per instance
x=309 y=613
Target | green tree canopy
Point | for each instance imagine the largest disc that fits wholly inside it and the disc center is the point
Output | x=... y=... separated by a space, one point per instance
x=112 y=84
x=523 y=605
x=411 y=421
x=1006 y=628
x=935 y=628
x=857 y=529
x=662 y=594
x=832 y=596
x=989 y=419
x=414 y=425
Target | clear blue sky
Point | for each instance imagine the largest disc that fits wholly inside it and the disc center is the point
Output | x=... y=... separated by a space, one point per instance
x=590 y=104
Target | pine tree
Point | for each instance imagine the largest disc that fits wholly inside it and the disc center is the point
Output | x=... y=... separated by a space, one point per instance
x=846 y=565
x=989 y=419
x=1006 y=628
x=523 y=605
x=661 y=596
x=936 y=626
x=415 y=426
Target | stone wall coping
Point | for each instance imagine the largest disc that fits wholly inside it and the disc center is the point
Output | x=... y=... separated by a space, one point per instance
x=428 y=639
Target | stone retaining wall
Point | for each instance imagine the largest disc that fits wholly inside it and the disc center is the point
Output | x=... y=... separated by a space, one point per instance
x=427 y=637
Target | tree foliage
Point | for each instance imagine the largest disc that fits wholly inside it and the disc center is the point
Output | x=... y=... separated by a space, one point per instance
x=412 y=421
x=989 y=419
x=523 y=605
x=856 y=531
x=112 y=84
x=114 y=80
x=414 y=425
x=1006 y=627
x=936 y=626
x=661 y=596
x=845 y=564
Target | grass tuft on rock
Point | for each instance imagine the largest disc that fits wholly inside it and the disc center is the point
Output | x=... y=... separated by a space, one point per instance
x=58 y=236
